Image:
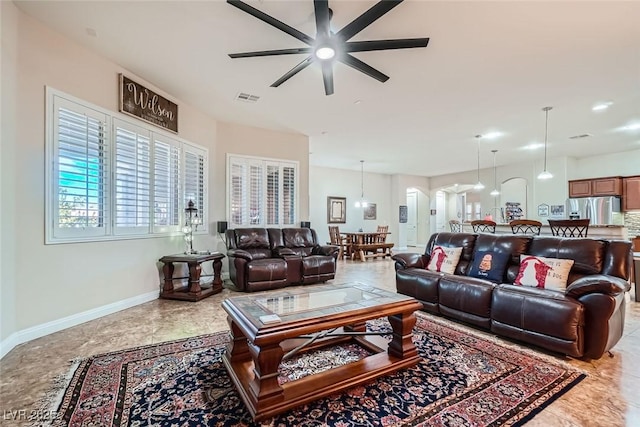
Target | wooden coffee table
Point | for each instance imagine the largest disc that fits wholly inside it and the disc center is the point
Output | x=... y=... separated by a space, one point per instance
x=268 y=326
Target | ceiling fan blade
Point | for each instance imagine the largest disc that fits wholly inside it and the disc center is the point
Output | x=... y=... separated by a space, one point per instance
x=369 y=45
x=295 y=70
x=272 y=21
x=327 y=76
x=321 y=8
x=362 y=21
x=293 y=51
x=361 y=66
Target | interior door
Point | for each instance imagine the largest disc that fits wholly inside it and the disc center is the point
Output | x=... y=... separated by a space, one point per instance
x=441 y=210
x=412 y=218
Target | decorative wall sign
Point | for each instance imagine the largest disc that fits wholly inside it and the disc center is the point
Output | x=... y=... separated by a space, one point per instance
x=557 y=211
x=543 y=210
x=138 y=101
x=370 y=211
x=404 y=214
x=336 y=210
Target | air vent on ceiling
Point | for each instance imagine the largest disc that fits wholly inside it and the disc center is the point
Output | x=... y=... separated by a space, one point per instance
x=247 y=97
x=584 y=135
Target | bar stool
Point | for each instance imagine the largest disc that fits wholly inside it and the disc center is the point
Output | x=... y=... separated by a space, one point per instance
x=569 y=227
x=455 y=225
x=525 y=226
x=483 y=226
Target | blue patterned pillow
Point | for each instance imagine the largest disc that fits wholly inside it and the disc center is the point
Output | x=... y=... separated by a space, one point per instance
x=489 y=265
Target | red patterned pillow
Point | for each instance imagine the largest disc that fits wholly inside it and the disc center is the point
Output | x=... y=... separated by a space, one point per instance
x=545 y=273
x=444 y=260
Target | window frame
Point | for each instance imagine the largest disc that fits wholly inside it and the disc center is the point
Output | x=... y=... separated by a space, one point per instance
x=264 y=163
x=58 y=235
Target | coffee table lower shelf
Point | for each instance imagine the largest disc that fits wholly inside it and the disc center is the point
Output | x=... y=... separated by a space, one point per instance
x=316 y=386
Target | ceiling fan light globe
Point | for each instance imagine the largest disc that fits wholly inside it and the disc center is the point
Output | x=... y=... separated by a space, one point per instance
x=325 y=52
x=544 y=175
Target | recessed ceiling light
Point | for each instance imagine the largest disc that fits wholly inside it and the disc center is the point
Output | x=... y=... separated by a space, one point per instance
x=358 y=101
x=533 y=146
x=601 y=106
x=91 y=32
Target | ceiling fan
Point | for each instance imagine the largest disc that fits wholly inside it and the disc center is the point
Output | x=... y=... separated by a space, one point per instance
x=328 y=47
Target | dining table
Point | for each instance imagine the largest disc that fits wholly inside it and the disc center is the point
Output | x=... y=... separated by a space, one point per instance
x=366 y=244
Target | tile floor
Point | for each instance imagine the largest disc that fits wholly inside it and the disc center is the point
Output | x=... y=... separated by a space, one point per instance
x=610 y=396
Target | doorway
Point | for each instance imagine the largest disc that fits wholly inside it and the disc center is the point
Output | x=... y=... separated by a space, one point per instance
x=412 y=218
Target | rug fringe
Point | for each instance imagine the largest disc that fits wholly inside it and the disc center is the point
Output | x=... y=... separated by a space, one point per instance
x=50 y=401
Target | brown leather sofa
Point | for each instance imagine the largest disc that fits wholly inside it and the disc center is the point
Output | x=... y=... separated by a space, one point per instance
x=269 y=258
x=585 y=321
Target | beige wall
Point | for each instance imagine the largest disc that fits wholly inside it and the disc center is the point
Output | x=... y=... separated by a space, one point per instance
x=8 y=175
x=44 y=283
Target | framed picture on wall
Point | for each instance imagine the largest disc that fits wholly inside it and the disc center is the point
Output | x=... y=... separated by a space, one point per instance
x=557 y=211
x=369 y=212
x=336 y=210
x=543 y=210
x=404 y=214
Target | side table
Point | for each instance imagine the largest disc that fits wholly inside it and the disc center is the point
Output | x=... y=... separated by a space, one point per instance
x=192 y=292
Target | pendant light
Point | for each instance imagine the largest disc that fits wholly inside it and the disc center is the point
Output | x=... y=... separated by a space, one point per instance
x=479 y=186
x=362 y=202
x=495 y=191
x=545 y=174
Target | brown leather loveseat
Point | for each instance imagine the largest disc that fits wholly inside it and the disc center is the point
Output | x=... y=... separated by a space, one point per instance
x=583 y=321
x=269 y=258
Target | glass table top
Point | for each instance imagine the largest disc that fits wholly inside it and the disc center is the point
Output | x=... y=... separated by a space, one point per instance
x=288 y=305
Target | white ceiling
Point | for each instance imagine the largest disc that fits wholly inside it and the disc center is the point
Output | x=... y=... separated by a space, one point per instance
x=489 y=66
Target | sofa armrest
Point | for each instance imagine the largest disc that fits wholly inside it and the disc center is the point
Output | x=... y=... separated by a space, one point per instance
x=282 y=252
x=597 y=283
x=409 y=260
x=327 y=250
x=239 y=253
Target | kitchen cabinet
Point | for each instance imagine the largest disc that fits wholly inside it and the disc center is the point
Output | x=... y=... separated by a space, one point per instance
x=581 y=188
x=631 y=193
x=609 y=186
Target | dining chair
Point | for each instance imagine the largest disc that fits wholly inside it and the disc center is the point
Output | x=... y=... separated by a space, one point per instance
x=455 y=226
x=525 y=226
x=335 y=238
x=569 y=227
x=483 y=226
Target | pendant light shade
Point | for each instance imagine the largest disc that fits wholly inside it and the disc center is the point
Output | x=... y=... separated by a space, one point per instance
x=545 y=174
x=479 y=186
x=362 y=203
x=495 y=191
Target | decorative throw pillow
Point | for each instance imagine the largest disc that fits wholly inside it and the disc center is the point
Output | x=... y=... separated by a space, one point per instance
x=545 y=273
x=443 y=259
x=489 y=265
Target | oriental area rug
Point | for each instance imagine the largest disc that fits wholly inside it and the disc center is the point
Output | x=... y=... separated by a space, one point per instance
x=464 y=379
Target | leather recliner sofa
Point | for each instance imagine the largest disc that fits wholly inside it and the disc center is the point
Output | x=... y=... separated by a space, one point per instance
x=270 y=258
x=585 y=321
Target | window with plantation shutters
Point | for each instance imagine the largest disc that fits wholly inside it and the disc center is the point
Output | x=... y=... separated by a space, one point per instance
x=166 y=192
x=78 y=202
x=111 y=178
x=261 y=192
x=132 y=189
x=194 y=173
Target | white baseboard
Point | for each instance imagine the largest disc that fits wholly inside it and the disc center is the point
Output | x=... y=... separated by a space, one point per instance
x=47 y=328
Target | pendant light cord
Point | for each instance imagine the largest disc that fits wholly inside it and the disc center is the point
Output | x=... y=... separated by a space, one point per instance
x=362 y=180
x=546 y=132
x=478 y=137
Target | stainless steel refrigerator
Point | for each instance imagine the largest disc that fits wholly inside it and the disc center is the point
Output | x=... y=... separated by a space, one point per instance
x=600 y=210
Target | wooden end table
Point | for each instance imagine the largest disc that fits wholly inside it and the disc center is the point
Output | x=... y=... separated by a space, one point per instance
x=194 y=291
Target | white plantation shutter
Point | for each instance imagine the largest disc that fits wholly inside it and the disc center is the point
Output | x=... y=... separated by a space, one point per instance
x=261 y=192
x=195 y=162
x=132 y=179
x=110 y=177
x=166 y=191
x=289 y=191
x=78 y=201
x=273 y=194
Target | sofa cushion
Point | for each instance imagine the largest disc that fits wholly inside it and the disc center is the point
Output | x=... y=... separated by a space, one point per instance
x=466 y=298
x=489 y=265
x=443 y=259
x=545 y=273
x=420 y=284
x=454 y=240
